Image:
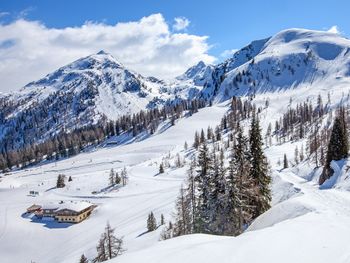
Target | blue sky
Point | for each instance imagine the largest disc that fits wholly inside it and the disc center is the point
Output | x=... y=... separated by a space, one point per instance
x=29 y=42
x=229 y=24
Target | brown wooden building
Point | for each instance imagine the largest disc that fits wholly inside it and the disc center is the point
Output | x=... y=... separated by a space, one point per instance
x=74 y=213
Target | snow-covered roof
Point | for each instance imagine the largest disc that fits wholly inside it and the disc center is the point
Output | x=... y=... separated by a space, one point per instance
x=50 y=206
x=74 y=206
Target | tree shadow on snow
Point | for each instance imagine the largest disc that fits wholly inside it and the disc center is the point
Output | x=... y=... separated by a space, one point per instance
x=143 y=233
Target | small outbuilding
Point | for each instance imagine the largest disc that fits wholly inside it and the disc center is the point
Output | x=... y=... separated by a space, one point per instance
x=33 y=208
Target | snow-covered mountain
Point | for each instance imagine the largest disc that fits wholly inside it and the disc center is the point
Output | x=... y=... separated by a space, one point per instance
x=79 y=94
x=198 y=75
x=290 y=59
x=112 y=89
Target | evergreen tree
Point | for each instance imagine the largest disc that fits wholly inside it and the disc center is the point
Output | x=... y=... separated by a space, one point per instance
x=259 y=170
x=70 y=179
x=161 y=168
x=202 y=138
x=112 y=177
x=191 y=192
x=196 y=142
x=185 y=146
x=203 y=181
x=162 y=220
x=338 y=146
x=285 y=161
x=217 y=194
x=124 y=176
x=178 y=162
x=117 y=179
x=296 y=155
x=60 y=181
x=239 y=187
x=151 y=222
x=83 y=259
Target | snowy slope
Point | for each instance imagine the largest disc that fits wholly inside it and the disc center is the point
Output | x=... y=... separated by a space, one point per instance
x=311 y=225
x=126 y=208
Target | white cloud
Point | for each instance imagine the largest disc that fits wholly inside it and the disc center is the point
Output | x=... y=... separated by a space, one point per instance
x=29 y=50
x=228 y=53
x=181 y=23
x=334 y=29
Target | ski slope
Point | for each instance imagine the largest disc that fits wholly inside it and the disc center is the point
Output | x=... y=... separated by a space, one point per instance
x=125 y=208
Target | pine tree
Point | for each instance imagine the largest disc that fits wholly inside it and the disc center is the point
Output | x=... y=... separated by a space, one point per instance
x=196 y=142
x=296 y=155
x=60 y=181
x=202 y=138
x=301 y=154
x=70 y=179
x=338 y=146
x=259 y=170
x=203 y=180
x=162 y=220
x=285 y=161
x=111 y=177
x=117 y=179
x=217 y=194
x=124 y=176
x=191 y=192
x=178 y=162
x=83 y=259
x=161 y=168
x=151 y=222
x=185 y=146
x=240 y=187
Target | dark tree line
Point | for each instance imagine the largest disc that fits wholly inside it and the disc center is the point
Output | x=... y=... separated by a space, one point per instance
x=68 y=143
x=294 y=124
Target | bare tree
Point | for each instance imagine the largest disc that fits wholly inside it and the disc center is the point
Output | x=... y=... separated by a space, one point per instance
x=109 y=246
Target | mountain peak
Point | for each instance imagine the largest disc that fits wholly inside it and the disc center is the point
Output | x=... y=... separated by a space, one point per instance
x=102 y=52
x=193 y=71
